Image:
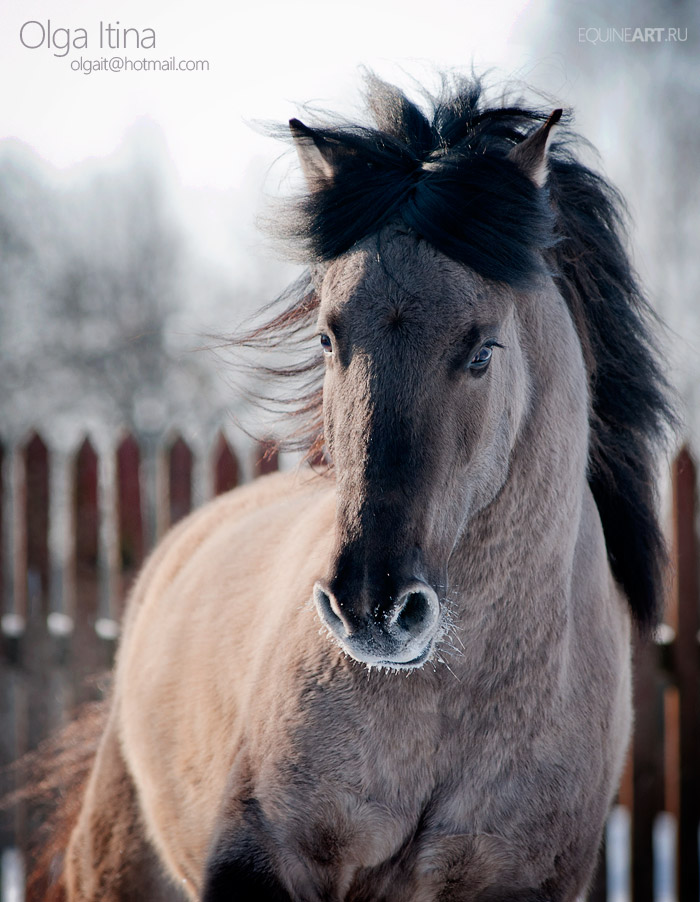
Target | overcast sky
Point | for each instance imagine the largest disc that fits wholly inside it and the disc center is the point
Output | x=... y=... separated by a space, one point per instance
x=264 y=58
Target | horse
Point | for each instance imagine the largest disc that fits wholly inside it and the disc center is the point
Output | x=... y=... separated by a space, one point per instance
x=402 y=674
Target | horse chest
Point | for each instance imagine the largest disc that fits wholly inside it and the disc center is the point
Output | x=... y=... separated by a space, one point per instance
x=351 y=849
x=405 y=813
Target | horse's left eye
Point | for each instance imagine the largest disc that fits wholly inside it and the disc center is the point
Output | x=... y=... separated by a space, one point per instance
x=326 y=343
x=481 y=359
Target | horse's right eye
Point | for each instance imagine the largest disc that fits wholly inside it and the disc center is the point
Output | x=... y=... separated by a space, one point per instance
x=326 y=343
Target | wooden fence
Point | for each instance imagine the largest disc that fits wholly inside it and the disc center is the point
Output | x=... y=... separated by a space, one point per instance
x=76 y=526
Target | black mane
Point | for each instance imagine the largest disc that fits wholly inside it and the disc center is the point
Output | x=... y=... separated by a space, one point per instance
x=444 y=171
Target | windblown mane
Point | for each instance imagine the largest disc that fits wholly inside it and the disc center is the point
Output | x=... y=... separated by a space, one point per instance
x=443 y=169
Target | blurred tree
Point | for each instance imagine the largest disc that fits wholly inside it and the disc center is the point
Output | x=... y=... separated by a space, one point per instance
x=95 y=276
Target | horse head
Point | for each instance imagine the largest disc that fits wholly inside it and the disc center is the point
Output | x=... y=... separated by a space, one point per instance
x=426 y=384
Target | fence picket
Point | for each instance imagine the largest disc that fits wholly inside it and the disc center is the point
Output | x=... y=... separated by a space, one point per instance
x=62 y=538
x=647 y=773
x=226 y=473
x=36 y=504
x=686 y=661
x=180 y=466
x=3 y=525
x=34 y=648
x=130 y=504
x=108 y=548
x=86 y=514
x=266 y=457
x=14 y=544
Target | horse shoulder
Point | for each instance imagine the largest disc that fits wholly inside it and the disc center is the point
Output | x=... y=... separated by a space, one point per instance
x=209 y=611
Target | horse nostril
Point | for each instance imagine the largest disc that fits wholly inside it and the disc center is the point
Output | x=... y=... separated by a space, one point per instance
x=327 y=612
x=417 y=611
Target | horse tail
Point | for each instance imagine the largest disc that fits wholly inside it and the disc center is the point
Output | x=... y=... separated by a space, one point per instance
x=53 y=779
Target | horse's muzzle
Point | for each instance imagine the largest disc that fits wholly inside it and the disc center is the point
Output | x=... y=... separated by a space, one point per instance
x=400 y=635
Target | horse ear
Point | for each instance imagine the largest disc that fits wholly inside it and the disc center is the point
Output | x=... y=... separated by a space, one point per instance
x=531 y=154
x=316 y=155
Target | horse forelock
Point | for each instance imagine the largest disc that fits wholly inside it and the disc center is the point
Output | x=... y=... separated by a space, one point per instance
x=442 y=170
